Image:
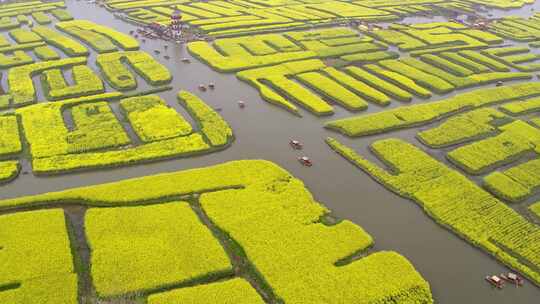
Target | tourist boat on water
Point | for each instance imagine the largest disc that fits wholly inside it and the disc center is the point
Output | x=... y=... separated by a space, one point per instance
x=304 y=160
x=512 y=278
x=296 y=144
x=495 y=281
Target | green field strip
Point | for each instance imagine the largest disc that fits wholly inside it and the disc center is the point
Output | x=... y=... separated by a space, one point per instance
x=45 y=53
x=21 y=87
x=370 y=57
x=22 y=36
x=236 y=291
x=112 y=65
x=535 y=209
x=18 y=58
x=94 y=128
x=10 y=141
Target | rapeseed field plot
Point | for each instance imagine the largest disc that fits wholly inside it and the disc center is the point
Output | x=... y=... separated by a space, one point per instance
x=153 y=120
x=226 y=18
x=235 y=291
x=41 y=267
x=512 y=142
x=86 y=83
x=464 y=127
x=268 y=219
x=454 y=201
x=85 y=129
x=87 y=144
x=9 y=170
x=535 y=208
x=113 y=67
x=145 y=248
x=293 y=68
x=456 y=81
x=422 y=114
x=517 y=183
x=222 y=18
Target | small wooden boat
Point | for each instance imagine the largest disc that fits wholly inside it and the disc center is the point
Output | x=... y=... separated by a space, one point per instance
x=186 y=60
x=304 y=160
x=512 y=278
x=495 y=281
x=296 y=144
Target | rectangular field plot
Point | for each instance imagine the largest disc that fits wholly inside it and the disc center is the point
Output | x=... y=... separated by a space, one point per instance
x=148 y=247
x=169 y=250
x=36 y=258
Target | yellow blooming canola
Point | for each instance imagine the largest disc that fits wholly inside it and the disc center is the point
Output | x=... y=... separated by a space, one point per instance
x=86 y=83
x=289 y=71
x=235 y=291
x=152 y=119
x=514 y=140
x=421 y=114
x=117 y=74
x=267 y=213
x=231 y=18
x=517 y=183
x=464 y=127
x=535 y=208
x=37 y=265
x=99 y=37
x=139 y=248
x=96 y=129
x=455 y=202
